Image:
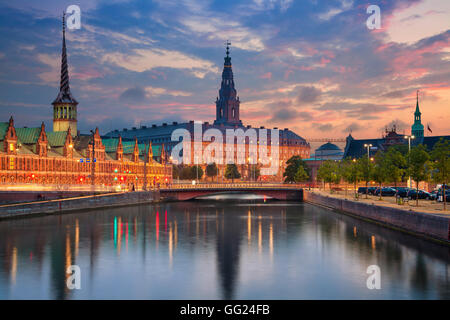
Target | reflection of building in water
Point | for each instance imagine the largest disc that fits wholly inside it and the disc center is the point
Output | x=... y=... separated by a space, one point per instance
x=228 y=252
x=60 y=257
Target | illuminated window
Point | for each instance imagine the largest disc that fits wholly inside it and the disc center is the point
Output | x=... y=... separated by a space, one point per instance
x=11 y=146
x=11 y=163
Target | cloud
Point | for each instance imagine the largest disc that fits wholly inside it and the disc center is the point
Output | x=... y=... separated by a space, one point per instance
x=213 y=28
x=308 y=95
x=400 y=125
x=146 y=59
x=354 y=126
x=133 y=95
x=330 y=13
x=409 y=24
x=140 y=94
x=323 y=127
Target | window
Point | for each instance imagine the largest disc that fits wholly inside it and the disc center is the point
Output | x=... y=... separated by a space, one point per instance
x=11 y=145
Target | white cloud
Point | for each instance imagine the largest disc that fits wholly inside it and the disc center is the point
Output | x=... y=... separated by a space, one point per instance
x=54 y=62
x=147 y=59
x=151 y=91
x=221 y=29
x=422 y=20
x=345 y=5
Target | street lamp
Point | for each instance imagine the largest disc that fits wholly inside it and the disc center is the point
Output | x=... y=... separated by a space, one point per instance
x=411 y=137
x=368 y=146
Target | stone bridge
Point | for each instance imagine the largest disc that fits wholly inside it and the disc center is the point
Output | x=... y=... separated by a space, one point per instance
x=275 y=191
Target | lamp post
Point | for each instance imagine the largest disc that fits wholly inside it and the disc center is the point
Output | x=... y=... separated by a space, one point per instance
x=368 y=146
x=411 y=137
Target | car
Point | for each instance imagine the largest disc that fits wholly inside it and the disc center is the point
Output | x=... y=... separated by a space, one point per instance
x=371 y=190
x=447 y=196
x=362 y=190
x=434 y=194
x=387 y=191
x=402 y=191
x=412 y=194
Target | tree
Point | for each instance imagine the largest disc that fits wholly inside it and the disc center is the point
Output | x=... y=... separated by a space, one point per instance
x=301 y=175
x=329 y=172
x=395 y=165
x=419 y=166
x=254 y=172
x=366 y=170
x=351 y=172
x=292 y=167
x=212 y=170
x=185 y=173
x=441 y=157
x=232 y=172
x=176 y=171
x=197 y=172
x=380 y=170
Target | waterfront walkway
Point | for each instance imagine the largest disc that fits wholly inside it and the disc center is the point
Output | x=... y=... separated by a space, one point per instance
x=425 y=206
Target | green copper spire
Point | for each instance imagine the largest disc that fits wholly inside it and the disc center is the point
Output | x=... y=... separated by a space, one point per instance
x=417 y=127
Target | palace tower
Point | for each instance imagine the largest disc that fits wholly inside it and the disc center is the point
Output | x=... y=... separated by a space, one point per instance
x=65 y=105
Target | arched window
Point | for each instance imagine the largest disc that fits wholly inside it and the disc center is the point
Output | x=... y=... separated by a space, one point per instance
x=234 y=113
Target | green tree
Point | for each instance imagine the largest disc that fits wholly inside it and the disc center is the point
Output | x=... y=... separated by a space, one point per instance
x=329 y=172
x=395 y=165
x=196 y=172
x=185 y=173
x=366 y=169
x=254 y=172
x=380 y=171
x=441 y=157
x=301 y=175
x=176 y=171
x=232 y=172
x=351 y=172
x=211 y=170
x=292 y=167
x=419 y=166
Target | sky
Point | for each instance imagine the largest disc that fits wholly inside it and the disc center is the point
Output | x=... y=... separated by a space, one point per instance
x=309 y=65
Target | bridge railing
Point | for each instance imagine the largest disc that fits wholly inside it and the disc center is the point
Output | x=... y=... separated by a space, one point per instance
x=255 y=185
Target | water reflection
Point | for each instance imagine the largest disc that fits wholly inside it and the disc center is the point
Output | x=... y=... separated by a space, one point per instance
x=211 y=249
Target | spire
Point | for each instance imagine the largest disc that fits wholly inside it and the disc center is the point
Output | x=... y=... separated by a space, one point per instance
x=417 y=105
x=64 y=95
x=417 y=127
x=228 y=58
x=227 y=104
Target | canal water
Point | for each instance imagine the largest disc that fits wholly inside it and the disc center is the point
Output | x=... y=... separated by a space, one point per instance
x=216 y=249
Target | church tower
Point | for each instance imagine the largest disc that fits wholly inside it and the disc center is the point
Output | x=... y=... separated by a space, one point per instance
x=417 y=127
x=65 y=105
x=227 y=104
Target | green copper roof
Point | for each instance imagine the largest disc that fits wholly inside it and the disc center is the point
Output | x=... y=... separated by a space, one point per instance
x=110 y=144
x=28 y=135
x=128 y=146
x=57 y=138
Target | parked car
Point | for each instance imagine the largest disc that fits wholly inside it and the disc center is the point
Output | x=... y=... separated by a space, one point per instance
x=387 y=191
x=362 y=190
x=371 y=190
x=412 y=194
x=447 y=196
x=434 y=194
x=402 y=192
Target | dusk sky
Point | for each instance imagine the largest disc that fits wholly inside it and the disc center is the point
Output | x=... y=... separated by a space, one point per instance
x=310 y=65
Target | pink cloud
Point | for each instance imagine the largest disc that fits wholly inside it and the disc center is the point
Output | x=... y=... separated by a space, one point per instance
x=267 y=75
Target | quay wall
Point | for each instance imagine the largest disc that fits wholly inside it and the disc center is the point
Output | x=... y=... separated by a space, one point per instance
x=419 y=223
x=78 y=204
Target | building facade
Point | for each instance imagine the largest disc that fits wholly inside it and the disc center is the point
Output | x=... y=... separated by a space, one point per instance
x=64 y=157
x=227 y=117
x=355 y=147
